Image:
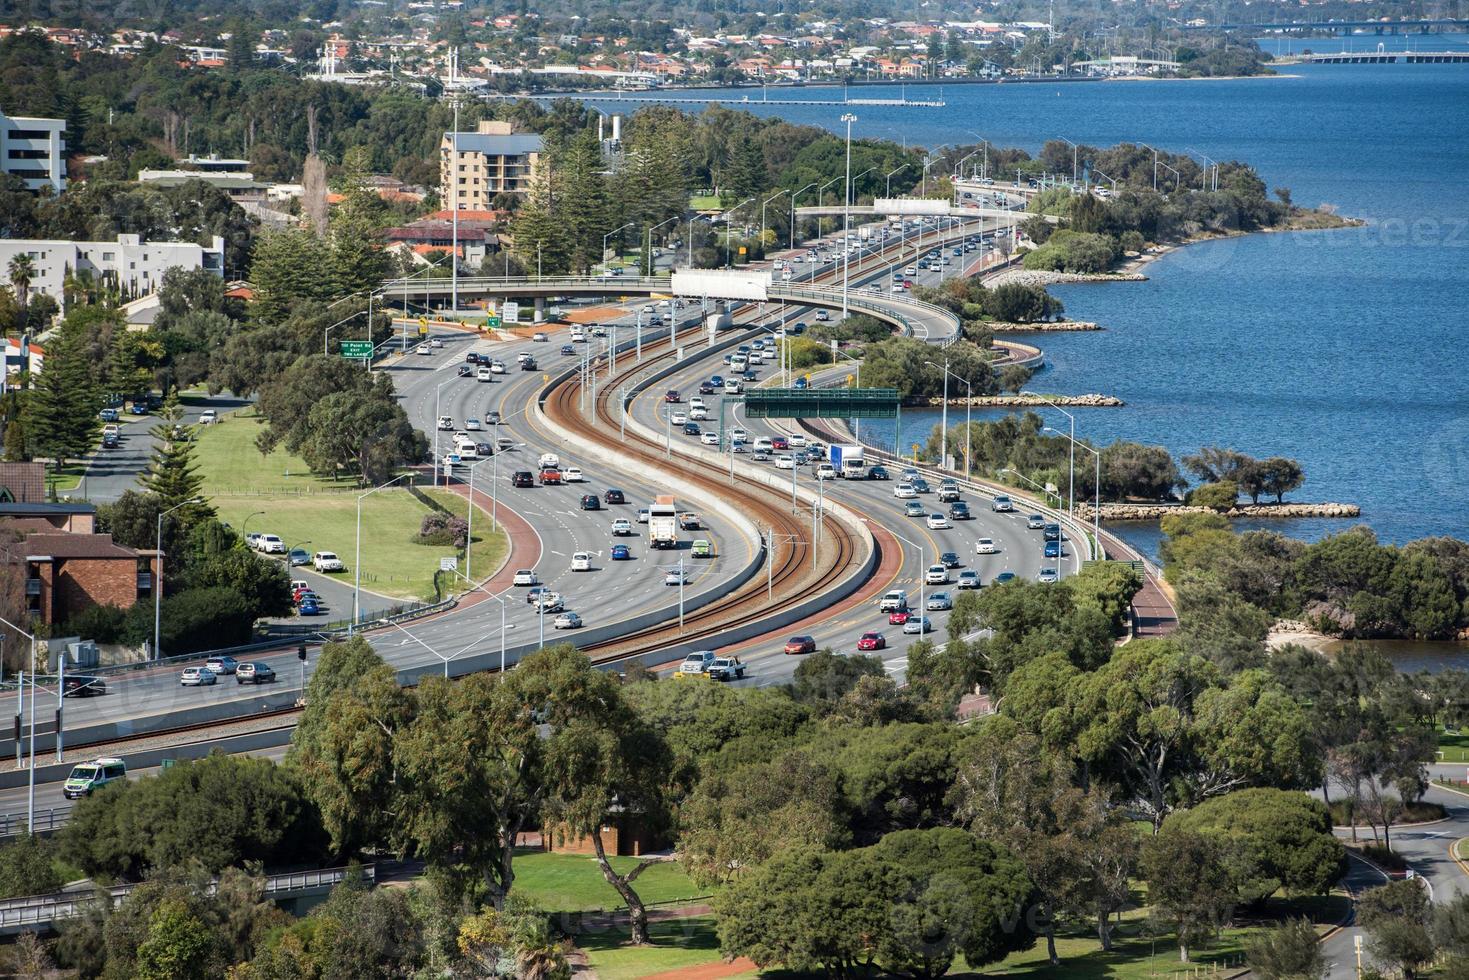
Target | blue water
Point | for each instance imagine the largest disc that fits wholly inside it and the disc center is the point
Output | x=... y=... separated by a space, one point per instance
x=1347 y=350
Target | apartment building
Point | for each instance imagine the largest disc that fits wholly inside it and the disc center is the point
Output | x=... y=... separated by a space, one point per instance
x=474 y=167
x=34 y=150
x=135 y=266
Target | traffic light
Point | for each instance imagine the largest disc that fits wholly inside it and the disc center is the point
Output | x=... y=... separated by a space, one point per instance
x=301 y=652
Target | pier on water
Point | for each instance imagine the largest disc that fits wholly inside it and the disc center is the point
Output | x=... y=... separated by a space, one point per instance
x=1383 y=57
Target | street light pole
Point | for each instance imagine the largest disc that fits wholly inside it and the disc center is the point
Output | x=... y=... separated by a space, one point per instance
x=469 y=543
x=888 y=179
x=648 y=248
x=793 y=210
x=1071 y=491
x=357 y=556
x=437 y=413
x=1074 y=150
x=1155 y=164
x=157 y=590
x=848 y=118
x=1096 y=488
x=609 y=235
x=762 y=217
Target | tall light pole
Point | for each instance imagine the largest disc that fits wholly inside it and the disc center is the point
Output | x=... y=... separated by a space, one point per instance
x=469 y=543
x=648 y=238
x=1177 y=177
x=1155 y=164
x=1208 y=164
x=793 y=209
x=609 y=235
x=1074 y=150
x=158 y=583
x=848 y=118
x=888 y=179
x=1071 y=491
x=727 y=217
x=985 y=145
x=454 y=212
x=357 y=557
x=697 y=217
x=968 y=406
x=1096 y=488
x=762 y=217
x=246 y=522
x=61 y=692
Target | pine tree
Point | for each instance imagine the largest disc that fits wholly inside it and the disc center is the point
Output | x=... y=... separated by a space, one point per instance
x=16 y=450
x=172 y=473
x=60 y=412
x=540 y=239
x=585 y=206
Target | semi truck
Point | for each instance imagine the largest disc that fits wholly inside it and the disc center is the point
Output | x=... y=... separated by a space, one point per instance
x=663 y=523
x=848 y=461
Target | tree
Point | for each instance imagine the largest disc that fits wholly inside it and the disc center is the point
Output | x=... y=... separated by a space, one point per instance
x=59 y=413
x=824 y=678
x=1221 y=496
x=22 y=270
x=178 y=945
x=1291 y=951
x=1213 y=464
x=1396 y=917
x=360 y=431
x=26 y=867
x=1021 y=303
x=1189 y=885
x=172 y=474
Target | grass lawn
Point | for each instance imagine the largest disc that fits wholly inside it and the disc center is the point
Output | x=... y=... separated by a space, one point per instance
x=277 y=494
x=678 y=943
x=66 y=481
x=574 y=883
x=1453 y=746
x=706 y=202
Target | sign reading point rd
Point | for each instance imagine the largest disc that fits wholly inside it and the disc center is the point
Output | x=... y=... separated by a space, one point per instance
x=356 y=348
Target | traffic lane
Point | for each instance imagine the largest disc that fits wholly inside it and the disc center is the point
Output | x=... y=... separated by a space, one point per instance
x=111 y=472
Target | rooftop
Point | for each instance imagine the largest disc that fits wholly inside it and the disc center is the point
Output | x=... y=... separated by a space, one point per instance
x=493 y=144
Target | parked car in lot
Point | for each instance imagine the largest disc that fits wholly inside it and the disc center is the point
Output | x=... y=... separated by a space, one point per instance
x=254 y=673
x=309 y=605
x=872 y=641
x=327 y=561
x=270 y=544
x=298 y=556
x=196 y=677
x=801 y=644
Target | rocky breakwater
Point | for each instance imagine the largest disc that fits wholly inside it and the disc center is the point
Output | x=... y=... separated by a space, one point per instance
x=1047 y=326
x=1154 y=512
x=1028 y=401
x=1042 y=277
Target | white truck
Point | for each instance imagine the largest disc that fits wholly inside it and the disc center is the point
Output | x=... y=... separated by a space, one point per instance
x=663 y=522
x=848 y=461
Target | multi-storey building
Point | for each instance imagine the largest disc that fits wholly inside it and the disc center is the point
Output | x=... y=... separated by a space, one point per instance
x=34 y=150
x=474 y=167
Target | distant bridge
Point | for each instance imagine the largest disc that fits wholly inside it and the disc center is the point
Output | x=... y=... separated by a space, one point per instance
x=1344 y=26
x=1387 y=57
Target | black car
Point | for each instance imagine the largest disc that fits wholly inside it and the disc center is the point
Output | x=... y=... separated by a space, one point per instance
x=614 y=497
x=959 y=511
x=706 y=388
x=950 y=559
x=109 y=441
x=529 y=364
x=589 y=501
x=878 y=473
x=1052 y=532
x=691 y=428
x=522 y=478
x=484 y=449
x=471 y=358
x=751 y=376
x=84 y=686
x=466 y=371
x=568 y=350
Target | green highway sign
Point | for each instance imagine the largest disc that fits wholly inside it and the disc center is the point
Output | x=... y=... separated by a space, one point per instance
x=821 y=403
x=492 y=322
x=356 y=348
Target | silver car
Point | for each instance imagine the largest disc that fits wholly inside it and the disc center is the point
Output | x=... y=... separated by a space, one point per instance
x=196 y=677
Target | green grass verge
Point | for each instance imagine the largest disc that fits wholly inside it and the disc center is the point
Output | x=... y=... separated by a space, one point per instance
x=574 y=883
x=67 y=480
x=1453 y=746
x=706 y=202
x=677 y=943
x=276 y=493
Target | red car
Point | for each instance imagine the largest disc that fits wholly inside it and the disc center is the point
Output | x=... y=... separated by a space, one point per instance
x=898 y=618
x=780 y=443
x=672 y=396
x=872 y=641
x=801 y=644
x=550 y=476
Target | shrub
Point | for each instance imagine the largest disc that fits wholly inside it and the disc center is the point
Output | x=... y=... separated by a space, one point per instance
x=100 y=623
x=1219 y=496
x=440 y=529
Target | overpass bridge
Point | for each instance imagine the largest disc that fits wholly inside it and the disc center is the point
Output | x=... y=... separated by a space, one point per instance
x=1420 y=26
x=944 y=210
x=1382 y=57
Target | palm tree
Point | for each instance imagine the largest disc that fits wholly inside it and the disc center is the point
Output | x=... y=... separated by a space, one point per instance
x=22 y=271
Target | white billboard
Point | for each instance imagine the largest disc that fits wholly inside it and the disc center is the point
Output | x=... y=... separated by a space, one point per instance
x=721 y=284
x=909 y=205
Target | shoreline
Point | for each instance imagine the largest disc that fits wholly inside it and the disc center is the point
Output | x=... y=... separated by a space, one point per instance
x=1117 y=512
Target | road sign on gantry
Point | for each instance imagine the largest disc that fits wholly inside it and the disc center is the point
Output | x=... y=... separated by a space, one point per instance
x=821 y=403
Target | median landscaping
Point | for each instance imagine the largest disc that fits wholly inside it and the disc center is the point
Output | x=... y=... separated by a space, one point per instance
x=277 y=494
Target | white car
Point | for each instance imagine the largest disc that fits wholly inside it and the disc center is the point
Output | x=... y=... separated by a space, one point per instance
x=678 y=418
x=525 y=577
x=473 y=425
x=893 y=601
x=548 y=602
x=986 y=546
x=936 y=575
x=196 y=677
x=622 y=527
x=826 y=472
x=572 y=475
x=208 y=417
x=709 y=438
x=581 y=561
x=785 y=462
x=938 y=522
x=497 y=366
x=698 y=414
x=567 y=621
x=446 y=423
x=696 y=402
x=738 y=435
x=423 y=350
x=798 y=442
x=643 y=515
x=540 y=338
x=436 y=343
x=549 y=461
x=676 y=576
x=904 y=491
x=483 y=374
x=327 y=561
x=270 y=544
x=765 y=444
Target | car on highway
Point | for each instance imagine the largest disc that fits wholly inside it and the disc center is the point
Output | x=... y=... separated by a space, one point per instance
x=780 y=443
x=550 y=477
x=1047 y=576
x=252 y=672
x=620 y=552
x=938 y=522
x=1004 y=577
x=936 y=575
x=572 y=475
x=948 y=491
x=446 y=423
x=825 y=471
x=436 y=343
x=710 y=438
x=567 y=621
x=672 y=397
x=548 y=601
x=878 y=473
x=622 y=527
x=950 y=559
x=492 y=417
x=88 y=777
x=423 y=350
x=522 y=478
x=327 y=561
x=644 y=515
x=919 y=483
x=689 y=521
x=471 y=357
x=707 y=388
x=453 y=459
x=798 y=441
x=590 y=501
x=1035 y=522
x=986 y=546
x=969 y=580
x=196 y=677
x=800 y=384
x=904 y=491
x=567 y=350
x=893 y=601
x=297 y=557
x=309 y=605
x=785 y=462
x=915 y=508
x=497 y=366
x=898 y=617
x=472 y=425
x=872 y=641
x=676 y=576
x=939 y=601
x=84 y=686
x=539 y=338
x=725 y=669
x=678 y=418
x=581 y=561
x=701 y=548
x=696 y=664
x=525 y=576
x=918 y=624
x=801 y=644
x=691 y=429
x=613 y=496
x=466 y=371
x=959 y=511
x=1052 y=549
x=1051 y=532
x=222 y=665
x=1002 y=504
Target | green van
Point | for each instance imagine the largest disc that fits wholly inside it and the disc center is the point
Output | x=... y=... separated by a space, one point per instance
x=702 y=549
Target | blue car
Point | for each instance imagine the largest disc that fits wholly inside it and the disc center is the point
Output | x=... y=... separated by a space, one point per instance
x=309 y=607
x=1053 y=549
x=620 y=552
x=800 y=384
x=717 y=381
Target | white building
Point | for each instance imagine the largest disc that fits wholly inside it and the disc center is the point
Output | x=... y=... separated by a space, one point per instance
x=133 y=265
x=34 y=150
